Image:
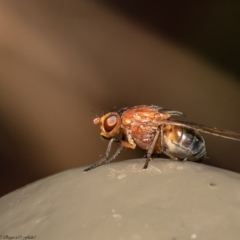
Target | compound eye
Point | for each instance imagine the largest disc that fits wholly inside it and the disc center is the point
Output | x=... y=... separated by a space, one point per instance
x=109 y=123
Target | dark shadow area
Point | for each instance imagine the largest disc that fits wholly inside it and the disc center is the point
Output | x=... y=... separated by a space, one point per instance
x=209 y=28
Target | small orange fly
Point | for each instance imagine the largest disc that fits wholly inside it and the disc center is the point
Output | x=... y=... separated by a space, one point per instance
x=153 y=129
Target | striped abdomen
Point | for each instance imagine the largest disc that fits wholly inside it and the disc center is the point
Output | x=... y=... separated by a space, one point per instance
x=183 y=143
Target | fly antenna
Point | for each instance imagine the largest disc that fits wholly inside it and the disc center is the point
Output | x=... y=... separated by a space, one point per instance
x=95 y=114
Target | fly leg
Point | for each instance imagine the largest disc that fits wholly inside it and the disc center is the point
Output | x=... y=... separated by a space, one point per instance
x=105 y=158
x=174 y=158
x=171 y=156
x=150 y=150
x=115 y=154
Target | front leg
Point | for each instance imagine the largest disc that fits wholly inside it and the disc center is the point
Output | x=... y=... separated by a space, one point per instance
x=105 y=159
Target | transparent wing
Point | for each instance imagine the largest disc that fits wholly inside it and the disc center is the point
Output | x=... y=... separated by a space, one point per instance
x=169 y=111
x=156 y=108
x=205 y=129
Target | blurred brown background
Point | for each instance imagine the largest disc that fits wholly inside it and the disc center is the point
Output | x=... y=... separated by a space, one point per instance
x=61 y=59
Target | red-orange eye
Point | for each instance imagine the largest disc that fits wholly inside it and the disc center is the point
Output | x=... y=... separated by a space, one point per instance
x=109 y=123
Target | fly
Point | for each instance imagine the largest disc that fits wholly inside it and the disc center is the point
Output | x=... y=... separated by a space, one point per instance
x=153 y=129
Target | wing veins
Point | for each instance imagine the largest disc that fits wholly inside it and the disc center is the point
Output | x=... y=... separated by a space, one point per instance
x=205 y=129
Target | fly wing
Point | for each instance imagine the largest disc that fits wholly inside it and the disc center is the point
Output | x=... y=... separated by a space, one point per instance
x=169 y=111
x=205 y=129
x=154 y=107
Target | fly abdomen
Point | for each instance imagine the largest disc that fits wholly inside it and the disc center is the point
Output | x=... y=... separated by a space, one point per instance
x=183 y=143
x=194 y=143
